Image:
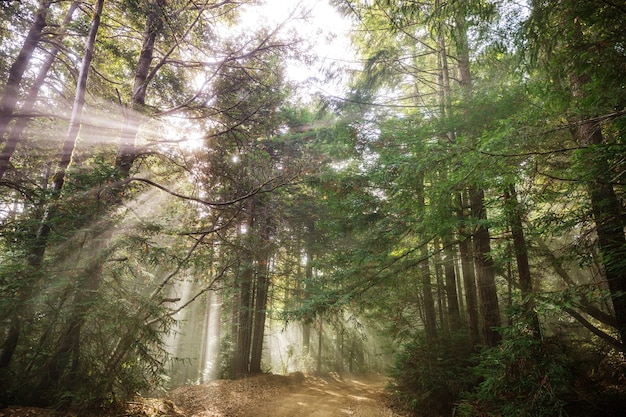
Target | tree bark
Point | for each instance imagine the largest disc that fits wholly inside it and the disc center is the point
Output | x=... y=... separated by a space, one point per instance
x=469 y=276
x=127 y=153
x=607 y=214
x=244 y=322
x=36 y=254
x=487 y=292
x=308 y=276
x=521 y=256
x=260 y=307
x=320 y=338
x=11 y=92
x=441 y=301
x=29 y=102
x=454 y=315
x=445 y=108
x=430 y=319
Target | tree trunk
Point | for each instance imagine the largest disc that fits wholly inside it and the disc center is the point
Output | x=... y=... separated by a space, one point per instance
x=487 y=293
x=445 y=108
x=521 y=256
x=469 y=277
x=454 y=315
x=65 y=361
x=127 y=153
x=430 y=319
x=339 y=345
x=308 y=276
x=260 y=307
x=234 y=326
x=320 y=338
x=36 y=254
x=247 y=292
x=605 y=206
x=244 y=322
x=11 y=92
x=441 y=301
x=608 y=216
x=29 y=102
x=69 y=344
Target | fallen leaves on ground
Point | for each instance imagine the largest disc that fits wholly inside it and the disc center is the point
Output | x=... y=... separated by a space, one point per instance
x=236 y=398
x=232 y=397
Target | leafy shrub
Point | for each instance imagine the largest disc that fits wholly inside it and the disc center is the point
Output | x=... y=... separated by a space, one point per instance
x=430 y=375
x=522 y=377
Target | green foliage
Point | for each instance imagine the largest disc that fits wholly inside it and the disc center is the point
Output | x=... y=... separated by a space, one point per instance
x=429 y=376
x=522 y=377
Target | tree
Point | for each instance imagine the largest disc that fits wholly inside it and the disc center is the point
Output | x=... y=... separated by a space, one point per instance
x=11 y=91
x=35 y=258
x=90 y=198
x=28 y=106
x=587 y=26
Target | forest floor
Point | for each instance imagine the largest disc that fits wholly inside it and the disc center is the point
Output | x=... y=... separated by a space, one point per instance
x=335 y=395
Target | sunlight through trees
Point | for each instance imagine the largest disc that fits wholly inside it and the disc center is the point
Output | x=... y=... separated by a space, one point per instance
x=440 y=198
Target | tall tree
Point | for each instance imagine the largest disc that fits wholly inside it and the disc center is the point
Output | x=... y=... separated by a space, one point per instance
x=520 y=248
x=36 y=256
x=11 y=91
x=584 y=58
x=487 y=292
x=28 y=106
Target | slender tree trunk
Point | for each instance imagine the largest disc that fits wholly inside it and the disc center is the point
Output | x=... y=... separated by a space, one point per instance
x=339 y=345
x=260 y=308
x=30 y=100
x=127 y=153
x=521 y=256
x=234 y=324
x=430 y=319
x=246 y=299
x=206 y=329
x=454 y=314
x=67 y=150
x=459 y=291
x=441 y=303
x=36 y=256
x=487 y=292
x=308 y=275
x=69 y=344
x=11 y=92
x=320 y=338
x=606 y=207
x=469 y=277
x=445 y=108
x=608 y=216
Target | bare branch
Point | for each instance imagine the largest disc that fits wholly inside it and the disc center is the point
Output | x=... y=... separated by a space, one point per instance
x=260 y=189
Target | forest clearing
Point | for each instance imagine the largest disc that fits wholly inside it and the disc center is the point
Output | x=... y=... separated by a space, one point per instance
x=318 y=207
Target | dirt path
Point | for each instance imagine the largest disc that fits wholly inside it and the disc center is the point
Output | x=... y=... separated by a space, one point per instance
x=359 y=396
x=293 y=396
x=260 y=396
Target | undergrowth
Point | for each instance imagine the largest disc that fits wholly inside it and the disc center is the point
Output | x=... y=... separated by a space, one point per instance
x=524 y=376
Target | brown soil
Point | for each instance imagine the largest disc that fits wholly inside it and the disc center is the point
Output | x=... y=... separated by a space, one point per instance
x=292 y=396
x=260 y=396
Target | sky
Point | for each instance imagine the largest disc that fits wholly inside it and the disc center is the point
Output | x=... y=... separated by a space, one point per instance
x=324 y=28
x=328 y=34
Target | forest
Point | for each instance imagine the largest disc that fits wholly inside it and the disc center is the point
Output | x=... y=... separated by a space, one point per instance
x=444 y=203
